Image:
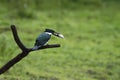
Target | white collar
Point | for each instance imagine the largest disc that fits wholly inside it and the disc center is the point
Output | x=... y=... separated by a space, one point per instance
x=48 y=33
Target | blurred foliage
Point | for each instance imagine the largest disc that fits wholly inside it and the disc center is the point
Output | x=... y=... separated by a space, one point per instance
x=27 y=8
x=90 y=50
x=3 y=45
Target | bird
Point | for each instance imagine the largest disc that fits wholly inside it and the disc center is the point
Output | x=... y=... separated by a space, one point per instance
x=44 y=37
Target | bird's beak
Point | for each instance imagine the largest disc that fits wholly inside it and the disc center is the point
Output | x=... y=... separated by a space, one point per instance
x=58 y=34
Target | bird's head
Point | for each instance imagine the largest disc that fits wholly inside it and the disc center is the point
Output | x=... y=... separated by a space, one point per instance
x=54 y=33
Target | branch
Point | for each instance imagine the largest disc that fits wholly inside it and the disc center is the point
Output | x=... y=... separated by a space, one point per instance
x=46 y=46
x=12 y=62
x=16 y=38
x=24 y=53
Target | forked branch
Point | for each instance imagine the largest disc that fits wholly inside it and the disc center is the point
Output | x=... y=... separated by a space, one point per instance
x=24 y=53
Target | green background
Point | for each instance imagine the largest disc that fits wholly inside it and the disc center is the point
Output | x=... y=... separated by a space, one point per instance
x=90 y=50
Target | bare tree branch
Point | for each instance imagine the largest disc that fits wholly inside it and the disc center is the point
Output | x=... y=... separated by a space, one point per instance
x=24 y=53
x=16 y=38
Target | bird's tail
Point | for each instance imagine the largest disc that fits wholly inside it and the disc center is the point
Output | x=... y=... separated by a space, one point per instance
x=35 y=47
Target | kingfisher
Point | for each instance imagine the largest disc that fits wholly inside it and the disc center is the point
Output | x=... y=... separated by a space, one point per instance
x=44 y=37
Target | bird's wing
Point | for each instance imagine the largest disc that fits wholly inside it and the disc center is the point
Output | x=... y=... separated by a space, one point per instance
x=42 y=39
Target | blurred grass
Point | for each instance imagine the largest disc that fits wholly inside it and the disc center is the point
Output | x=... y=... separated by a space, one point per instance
x=90 y=50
